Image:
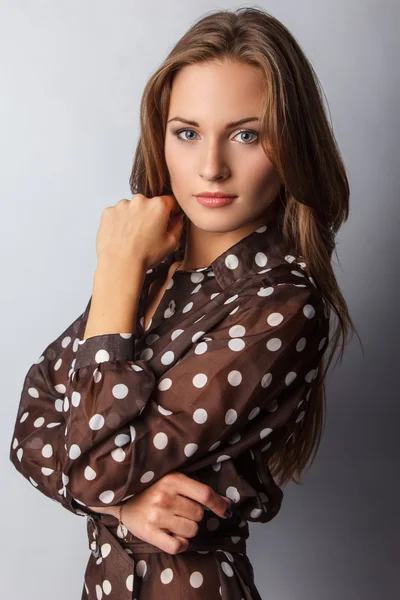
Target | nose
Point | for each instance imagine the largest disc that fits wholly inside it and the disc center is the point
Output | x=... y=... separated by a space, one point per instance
x=213 y=163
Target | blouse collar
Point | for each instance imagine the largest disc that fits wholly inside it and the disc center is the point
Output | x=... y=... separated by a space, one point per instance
x=257 y=252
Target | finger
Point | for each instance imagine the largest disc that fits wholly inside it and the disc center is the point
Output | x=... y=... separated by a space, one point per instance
x=188 y=508
x=175 y=228
x=168 y=542
x=181 y=526
x=184 y=542
x=202 y=493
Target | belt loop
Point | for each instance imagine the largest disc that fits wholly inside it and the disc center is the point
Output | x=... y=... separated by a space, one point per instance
x=91 y=520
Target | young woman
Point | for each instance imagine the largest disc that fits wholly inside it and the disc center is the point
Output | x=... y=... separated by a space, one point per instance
x=196 y=372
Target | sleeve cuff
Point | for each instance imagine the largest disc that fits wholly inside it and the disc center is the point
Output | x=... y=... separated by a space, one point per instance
x=107 y=347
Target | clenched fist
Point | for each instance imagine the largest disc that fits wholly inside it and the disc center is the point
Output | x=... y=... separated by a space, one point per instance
x=143 y=230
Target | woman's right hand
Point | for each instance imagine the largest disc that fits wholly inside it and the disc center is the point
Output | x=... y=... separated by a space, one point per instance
x=173 y=504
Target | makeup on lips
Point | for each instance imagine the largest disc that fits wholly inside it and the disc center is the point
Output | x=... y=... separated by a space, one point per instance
x=214 y=200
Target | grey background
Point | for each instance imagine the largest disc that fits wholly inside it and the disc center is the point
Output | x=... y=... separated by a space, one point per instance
x=72 y=74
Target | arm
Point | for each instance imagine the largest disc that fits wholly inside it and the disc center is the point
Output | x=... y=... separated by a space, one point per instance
x=231 y=389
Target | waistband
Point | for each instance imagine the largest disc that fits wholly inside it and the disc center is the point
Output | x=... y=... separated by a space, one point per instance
x=233 y=540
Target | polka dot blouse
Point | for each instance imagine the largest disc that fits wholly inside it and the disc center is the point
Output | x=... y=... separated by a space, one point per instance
x=212 y=388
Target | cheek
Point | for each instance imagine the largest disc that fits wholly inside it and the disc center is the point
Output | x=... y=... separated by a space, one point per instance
x=177 y=163
x=263 y=171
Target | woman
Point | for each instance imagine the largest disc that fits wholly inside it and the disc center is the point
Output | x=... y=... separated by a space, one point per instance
x=197 y=369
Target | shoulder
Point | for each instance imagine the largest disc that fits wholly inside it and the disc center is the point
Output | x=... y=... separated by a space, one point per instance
x=286 y=292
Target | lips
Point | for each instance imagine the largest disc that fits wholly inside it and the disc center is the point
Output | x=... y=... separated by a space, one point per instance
x=215 y=201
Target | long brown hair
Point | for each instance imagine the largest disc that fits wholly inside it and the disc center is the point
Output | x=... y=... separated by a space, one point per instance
x=297 y=138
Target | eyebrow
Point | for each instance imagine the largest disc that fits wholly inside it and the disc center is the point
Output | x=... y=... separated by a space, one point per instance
x=228 y=126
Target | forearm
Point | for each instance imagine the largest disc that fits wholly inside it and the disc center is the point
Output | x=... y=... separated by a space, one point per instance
x=115 y=299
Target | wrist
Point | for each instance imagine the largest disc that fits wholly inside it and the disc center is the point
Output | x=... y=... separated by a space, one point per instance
x=107 y=270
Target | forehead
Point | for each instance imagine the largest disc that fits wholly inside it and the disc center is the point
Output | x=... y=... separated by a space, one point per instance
x=213 y=88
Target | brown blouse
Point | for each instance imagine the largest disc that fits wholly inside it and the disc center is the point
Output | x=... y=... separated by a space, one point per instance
x=212 y=388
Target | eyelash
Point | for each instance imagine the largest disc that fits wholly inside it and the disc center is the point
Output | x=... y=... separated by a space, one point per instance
x=176 y=133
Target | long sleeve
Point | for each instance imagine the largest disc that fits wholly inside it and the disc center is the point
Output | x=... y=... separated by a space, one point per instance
x=238 y=386
x=40 y=420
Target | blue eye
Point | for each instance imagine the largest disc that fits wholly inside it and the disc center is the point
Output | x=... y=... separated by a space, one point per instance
x=177 y=134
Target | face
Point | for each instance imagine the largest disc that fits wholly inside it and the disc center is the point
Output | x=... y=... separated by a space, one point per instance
x=212 y=156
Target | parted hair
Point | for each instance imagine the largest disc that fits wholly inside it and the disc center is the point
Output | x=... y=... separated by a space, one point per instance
x=298 y=139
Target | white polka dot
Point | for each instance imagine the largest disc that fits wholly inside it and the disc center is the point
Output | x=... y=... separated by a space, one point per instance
x=223 y=457
x=200 y=415
x=46 y=471
x=106 y=587
x=107 y=496
x=168 y=357
x=274 y=319
x=274 y=344
x=75 y=399
x=20 y=453
x=102 y=356
x=146 y=477
x=65 y=341
x=260 y=259
x=254 y=413
x=141 y=568
x=255 y=513
x=166 y=575
x=322 y=343
x=33 y=392
x=237 y=331
x=24 y=417
x=190 y=449
x=120 y=390
x=236 y=344
x=165 y=384
x=265 y=432
x=118 y=454
x=227 y=569
x=300 y=417
x=230 y=416
x=265 y=291
x=38 y=422
x=233 y=493
x=196 y=578
x=266 y=380
x=47 y=451
x=199 y=380
x=197 y=335
x=90 y=474
x=129 y=582
x=96 y=422
x=160 y=440
x=235 y=378
x=215 y=445
x=290 y=377
x=301 y=344
x=99 y=592
x=122 y=439
x=105 y=550
x=309 y=311
x=310 y=375
x=231 y=261
x=231 y=299
x=200 y=348
x=188 y=307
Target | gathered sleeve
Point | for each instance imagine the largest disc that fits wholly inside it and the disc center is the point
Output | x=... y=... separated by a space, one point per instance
x=238 y=386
